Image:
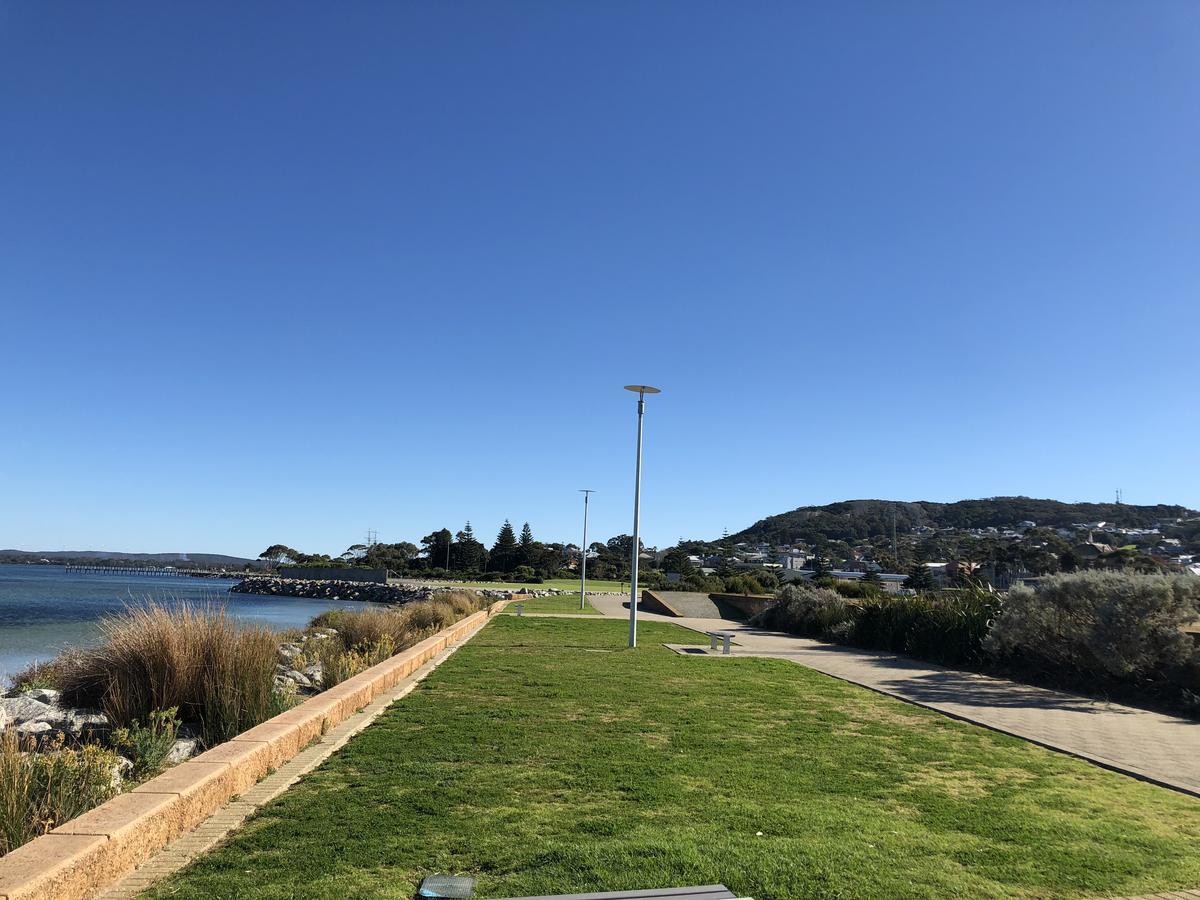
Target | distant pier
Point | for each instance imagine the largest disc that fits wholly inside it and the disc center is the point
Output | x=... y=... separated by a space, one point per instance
x=156 y=571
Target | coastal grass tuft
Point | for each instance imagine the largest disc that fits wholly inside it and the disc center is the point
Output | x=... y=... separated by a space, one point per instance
x=196 y=659
x=545 y=757
x=366 y=637
x=39 y=791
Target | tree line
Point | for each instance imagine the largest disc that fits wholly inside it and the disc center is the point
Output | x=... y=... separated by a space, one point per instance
x=462 y=555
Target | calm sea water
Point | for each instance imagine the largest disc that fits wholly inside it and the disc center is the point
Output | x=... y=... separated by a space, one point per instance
x=44 y=609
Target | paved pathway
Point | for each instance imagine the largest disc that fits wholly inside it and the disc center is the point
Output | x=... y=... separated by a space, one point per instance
x=1158 y=748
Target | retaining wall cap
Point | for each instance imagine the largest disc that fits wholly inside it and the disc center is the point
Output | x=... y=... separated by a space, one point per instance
x=121 y=813
x=183 y=778
x=42 y=869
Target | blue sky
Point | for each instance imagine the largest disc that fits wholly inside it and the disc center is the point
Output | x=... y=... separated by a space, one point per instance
x=285 y=272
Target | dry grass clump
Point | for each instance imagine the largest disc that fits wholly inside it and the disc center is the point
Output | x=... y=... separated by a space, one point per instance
x=39 y=791
x=369 y=636
x=194 y=658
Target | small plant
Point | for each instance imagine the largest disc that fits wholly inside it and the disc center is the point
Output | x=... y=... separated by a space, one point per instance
x=148 y=746
x=41 y=790
x=37 y=675
x=283 y=698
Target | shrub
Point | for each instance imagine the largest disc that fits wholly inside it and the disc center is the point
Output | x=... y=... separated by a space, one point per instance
x=805 y=610
x=1112 y=626
x=195 y=659
x=41 y=790
x=949 y=627
x=857 y=590
x=148 y=746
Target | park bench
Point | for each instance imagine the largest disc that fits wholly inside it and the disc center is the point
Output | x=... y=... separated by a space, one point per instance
x=714 y=636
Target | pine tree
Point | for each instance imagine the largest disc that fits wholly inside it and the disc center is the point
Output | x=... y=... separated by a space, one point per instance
x=920 y=579
x=504 y=556
x=468 y=554
x=525 y=549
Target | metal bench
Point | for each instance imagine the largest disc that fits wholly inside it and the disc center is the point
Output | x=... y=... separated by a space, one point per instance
x=714 y=636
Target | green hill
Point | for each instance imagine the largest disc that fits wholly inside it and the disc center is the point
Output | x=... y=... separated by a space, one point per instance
x=853 y=520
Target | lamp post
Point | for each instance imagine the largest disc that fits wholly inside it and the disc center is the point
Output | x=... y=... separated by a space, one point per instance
x=583 y=555
x=641 y=390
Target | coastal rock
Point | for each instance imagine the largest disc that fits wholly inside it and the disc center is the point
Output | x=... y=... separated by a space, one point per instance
x=183 y=749
x=21 y=710
x=80 y=720
x=41 y=695
x=290 y=651
x=297 y=677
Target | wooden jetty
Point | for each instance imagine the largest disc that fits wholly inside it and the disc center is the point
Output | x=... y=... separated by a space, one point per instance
x=155 y=571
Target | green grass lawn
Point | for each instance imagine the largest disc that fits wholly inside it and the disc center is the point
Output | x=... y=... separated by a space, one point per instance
x=563 y=603
x=544 y=757
x=560 y=584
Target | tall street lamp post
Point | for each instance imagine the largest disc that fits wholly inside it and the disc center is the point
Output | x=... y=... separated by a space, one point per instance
x=583 y=555
x=641 y=390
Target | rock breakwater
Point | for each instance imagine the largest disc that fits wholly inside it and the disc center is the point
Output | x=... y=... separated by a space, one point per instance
x=331 y=590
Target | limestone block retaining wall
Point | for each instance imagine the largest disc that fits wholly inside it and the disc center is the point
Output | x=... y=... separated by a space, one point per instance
x=81 y=857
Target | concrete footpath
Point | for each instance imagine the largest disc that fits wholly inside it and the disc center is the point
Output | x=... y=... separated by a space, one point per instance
x=1148 y=745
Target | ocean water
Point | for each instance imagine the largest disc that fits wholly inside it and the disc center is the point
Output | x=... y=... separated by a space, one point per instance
x=44 y=609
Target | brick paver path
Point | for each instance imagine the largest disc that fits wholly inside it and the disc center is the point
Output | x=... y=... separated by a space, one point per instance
x=1158 y=748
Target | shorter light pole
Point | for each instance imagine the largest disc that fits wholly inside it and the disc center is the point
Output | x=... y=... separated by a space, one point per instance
x=583 y=555
x=641 y=390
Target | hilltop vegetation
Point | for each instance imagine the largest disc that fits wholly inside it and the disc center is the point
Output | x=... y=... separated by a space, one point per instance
x=856 y=520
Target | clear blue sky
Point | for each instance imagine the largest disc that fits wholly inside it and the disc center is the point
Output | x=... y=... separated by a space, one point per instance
x=283 y=272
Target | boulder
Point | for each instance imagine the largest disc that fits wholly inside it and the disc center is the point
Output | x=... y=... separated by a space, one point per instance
x=19 y=710
x=184 y=748
x=42 y=695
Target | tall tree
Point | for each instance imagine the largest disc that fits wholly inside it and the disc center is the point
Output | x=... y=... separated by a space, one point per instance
x=526 y=549
x=504 y=556
x=820 y=567
x=278 y=554
x=468 y=554
x=920 y=578
x=436 y=547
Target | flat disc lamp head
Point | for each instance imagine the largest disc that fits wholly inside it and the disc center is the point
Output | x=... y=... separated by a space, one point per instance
x=642 y=389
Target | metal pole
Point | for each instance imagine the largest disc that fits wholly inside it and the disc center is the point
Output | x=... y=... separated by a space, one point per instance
x=583 y=556
x=637 y=499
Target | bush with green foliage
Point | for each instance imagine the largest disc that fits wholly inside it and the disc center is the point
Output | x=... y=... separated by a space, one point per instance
x=949 y=627
x=1103 y=628
x=805 y=610
x=148 y=746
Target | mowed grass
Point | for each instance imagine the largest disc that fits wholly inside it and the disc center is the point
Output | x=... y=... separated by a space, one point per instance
x=563 y=603
x=544 y=757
